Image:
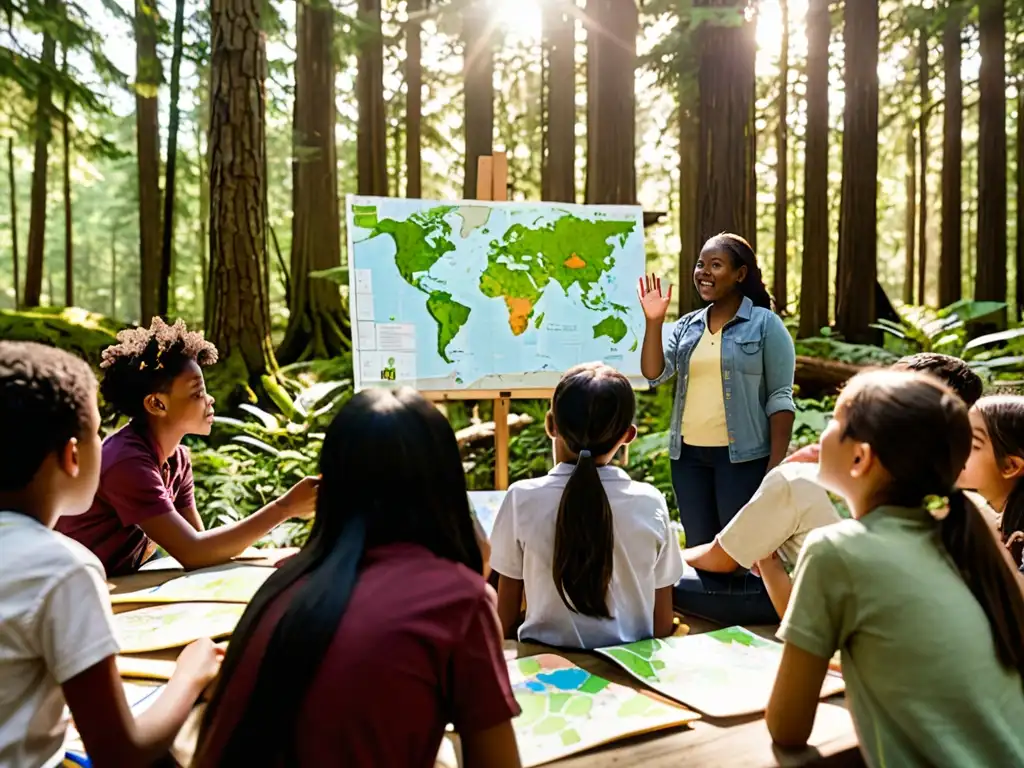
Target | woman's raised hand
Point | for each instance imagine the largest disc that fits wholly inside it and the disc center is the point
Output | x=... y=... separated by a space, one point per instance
x=654 y=303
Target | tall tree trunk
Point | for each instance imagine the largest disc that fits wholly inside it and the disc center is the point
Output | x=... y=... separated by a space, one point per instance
x=1019 y=245
x=725 y=75
x=238 y=308
x=202 y=147
x=113 y=272
x=13 y=191
x=910 y=219
x=782 y=169
x=167 y=248
x=950 y=280
x=372 y=167
x=923 y=75
x=478 y=76
x=147 y=126
x=413 y=104
x=689 y=170
x=858 y=220
x=612 y=27
x=37 y=213
x=814 y=279
x=558 y=172
x=69 y=261
x=317 y=326
x=990 y=281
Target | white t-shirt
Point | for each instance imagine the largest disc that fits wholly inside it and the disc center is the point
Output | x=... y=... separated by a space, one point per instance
x=646 y=557
x=55 y=622
x=787 y=506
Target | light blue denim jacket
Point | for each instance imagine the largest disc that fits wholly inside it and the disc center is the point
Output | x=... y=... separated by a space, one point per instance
x=758 y=362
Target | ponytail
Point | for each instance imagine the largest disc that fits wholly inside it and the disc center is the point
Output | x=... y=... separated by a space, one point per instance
x=584 y=541
x=975 y=552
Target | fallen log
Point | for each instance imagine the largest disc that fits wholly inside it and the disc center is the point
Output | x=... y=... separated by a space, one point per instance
x=484 y=431
x=816 y=376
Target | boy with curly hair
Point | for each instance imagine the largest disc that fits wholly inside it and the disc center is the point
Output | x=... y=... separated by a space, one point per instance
x=145 y=499
x=57 y=641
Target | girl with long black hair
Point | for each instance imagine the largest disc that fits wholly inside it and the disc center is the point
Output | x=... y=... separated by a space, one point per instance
x=381 y=631
x=591 y=548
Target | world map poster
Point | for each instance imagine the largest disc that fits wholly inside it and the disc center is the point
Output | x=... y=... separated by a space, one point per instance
x=566 y=709
x=479 y=295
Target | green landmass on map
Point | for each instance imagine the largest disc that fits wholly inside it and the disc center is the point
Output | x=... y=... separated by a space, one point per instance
x=612 y=327
x=569 y=251
x=450 y=317
x=420 y=242
x=540 y=319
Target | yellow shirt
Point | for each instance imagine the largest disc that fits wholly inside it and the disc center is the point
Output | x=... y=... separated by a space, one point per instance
x=704 y=413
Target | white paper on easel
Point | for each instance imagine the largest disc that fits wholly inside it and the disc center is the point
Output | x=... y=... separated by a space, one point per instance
x=396 y=337
x=366 y=335
x=369 y=366
x=364 y=306
x=364 y=281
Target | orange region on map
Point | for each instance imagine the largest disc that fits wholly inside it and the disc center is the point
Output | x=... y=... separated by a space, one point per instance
x=574 y=262
x=519 y=311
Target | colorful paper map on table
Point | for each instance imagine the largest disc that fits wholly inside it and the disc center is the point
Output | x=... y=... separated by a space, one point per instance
x=481 y=295
x=485 y=506
x=140 y=698
x=168 y=563
x=725 y=673
x=231 y=583
x=174 y=625
x=566 y=709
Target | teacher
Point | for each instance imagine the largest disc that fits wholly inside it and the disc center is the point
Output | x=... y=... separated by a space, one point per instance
x=733 y=412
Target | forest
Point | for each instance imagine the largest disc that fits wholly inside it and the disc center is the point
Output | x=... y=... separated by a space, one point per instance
x=189 y=160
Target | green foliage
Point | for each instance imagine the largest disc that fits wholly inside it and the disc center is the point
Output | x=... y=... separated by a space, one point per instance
x=83 y=333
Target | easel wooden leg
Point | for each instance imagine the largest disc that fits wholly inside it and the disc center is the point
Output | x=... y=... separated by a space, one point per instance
x=501 y=411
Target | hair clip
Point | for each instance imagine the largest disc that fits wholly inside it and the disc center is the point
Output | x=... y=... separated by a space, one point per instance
x=584 y=454
x=937 y=506
x=142 y=365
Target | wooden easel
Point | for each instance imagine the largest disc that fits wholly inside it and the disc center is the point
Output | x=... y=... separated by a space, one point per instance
x=492 y=184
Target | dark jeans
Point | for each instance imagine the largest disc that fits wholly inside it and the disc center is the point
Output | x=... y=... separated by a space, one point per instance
x=709 y=491
x=724 y=598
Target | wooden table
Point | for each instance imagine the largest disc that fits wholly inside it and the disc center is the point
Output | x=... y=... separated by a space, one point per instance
x=708 y=742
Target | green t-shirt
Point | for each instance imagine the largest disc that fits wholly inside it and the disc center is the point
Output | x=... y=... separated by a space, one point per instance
x=923 y=681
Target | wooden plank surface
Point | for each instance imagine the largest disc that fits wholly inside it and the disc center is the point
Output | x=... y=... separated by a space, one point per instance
x=741 y=742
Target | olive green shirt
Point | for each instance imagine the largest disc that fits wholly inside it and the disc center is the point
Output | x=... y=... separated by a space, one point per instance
x=923 y=682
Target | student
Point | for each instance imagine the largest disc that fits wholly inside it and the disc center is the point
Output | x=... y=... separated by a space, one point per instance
x=952 y=371
x=768 y=532
x=913 y=590
x=361 y=649
x=154 y=376
x=592 y=549
x=995 y=467
x=766 y=535
x=57 y=639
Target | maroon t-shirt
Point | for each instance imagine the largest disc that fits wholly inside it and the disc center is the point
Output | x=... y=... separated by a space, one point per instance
x=419 y=646
x=134 y=487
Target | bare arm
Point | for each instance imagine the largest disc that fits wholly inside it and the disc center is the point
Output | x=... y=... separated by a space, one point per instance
x=196 y=549
x=794 y=700
x=781 y=426
x=777 y=582
x=510 y=604
x=664 y=618
x=111 y=734
x=655 y=306
x=710 y=557
x=191 y=515
x=491 y=748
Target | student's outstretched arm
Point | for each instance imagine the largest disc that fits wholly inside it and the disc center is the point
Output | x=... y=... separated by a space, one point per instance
x=196 y=549
x=710 y=557
x=794 y=700
x=111 y=734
